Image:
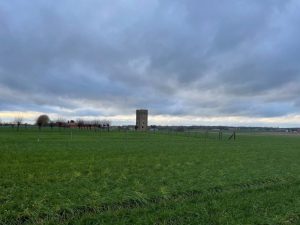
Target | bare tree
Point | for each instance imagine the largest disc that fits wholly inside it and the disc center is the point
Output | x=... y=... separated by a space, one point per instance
x=18 y=121
x=42 y=120
x=80 y=123
x=88 y=124
x=51 y=124
x=96 y=124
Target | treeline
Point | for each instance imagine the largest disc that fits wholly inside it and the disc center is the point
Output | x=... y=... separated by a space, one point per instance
x=81 y=124
x=45 y=121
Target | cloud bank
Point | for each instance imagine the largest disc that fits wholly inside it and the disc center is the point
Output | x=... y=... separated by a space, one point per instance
x=180 y=59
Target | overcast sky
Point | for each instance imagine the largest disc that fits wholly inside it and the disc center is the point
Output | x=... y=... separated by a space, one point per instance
x=233 y=62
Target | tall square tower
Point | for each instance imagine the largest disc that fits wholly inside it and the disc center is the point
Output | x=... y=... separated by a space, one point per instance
x=142 y=119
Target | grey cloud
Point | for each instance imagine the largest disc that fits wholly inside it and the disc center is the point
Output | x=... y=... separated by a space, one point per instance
x=173 y=57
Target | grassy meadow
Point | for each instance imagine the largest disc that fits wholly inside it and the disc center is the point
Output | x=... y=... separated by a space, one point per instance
x=87 y=177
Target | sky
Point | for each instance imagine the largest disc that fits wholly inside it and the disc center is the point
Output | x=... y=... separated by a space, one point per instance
x=189 y=62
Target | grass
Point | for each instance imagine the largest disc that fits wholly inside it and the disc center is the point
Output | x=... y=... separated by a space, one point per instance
x=147 y=178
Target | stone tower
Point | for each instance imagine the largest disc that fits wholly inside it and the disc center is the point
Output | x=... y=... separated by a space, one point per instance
x=142 y=119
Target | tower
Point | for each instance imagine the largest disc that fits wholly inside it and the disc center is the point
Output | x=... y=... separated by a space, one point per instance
x=141 y=119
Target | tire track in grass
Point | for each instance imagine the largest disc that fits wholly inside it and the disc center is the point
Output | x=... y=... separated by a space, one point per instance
x=290 y=219
x=62 y=216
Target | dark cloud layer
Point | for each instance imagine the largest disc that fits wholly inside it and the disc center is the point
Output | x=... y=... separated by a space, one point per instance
x=179 y=57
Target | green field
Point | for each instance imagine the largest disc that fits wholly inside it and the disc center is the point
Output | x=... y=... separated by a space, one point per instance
x=147 y=178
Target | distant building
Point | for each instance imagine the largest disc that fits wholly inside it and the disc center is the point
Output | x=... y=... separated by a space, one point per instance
x=141 y=119
x=72 y=124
